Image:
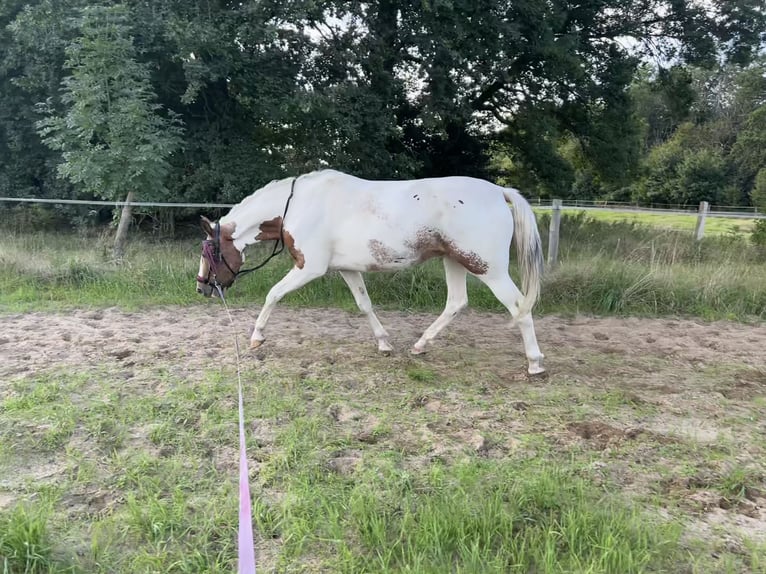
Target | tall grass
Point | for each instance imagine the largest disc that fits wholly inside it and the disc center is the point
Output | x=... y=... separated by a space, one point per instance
x=617 y=267
x=25 y=544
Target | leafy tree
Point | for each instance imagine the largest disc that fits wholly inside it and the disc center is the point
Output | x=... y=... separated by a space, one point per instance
x=663 y=100
x=702 y=176
x=758 y=195
x=113 y=138
x=660 y=181
x=31 y=54
x=749 y=151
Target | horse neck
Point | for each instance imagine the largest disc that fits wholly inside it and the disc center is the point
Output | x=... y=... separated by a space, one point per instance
x=264 y=205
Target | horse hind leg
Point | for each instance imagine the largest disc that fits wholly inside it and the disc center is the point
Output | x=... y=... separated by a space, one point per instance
x=355 y=282
x=457 y=299
x=503 y=287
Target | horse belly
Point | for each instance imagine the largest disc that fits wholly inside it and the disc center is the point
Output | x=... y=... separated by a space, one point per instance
x=371 y=254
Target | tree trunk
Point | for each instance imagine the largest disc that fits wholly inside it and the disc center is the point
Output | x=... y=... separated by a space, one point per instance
x=121 y=239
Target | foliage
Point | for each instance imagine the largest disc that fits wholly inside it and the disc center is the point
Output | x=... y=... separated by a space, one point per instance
x=749 y=150
x=678 y=175
x=758 y=237
x=112 y=137
x=702 y=177
x=758 y=195
x=272 y=88
x=662 y=103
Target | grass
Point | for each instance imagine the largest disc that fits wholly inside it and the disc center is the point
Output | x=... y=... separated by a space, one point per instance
x=167 y=502
x=606 y=268
x=714 y=226
x=146 y=482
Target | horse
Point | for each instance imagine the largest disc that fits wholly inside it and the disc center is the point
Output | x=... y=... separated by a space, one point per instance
x=332 y=221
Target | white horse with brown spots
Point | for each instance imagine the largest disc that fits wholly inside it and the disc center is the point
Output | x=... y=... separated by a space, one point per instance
x=332 y=221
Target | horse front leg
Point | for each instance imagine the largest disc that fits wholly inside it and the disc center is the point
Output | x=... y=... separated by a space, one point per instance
x=295 y=279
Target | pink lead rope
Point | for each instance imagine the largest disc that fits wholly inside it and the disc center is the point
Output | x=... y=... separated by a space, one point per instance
x=245 y=544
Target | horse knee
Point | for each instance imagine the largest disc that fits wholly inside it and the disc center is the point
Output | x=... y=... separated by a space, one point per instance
x=454 y=307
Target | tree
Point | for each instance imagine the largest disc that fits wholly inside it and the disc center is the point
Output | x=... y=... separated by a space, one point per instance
x=31 y=53
x=749 y=151
x=758 y=195
x=113 y=137
x=385 y=88
x=702 y=176
x=663 y=100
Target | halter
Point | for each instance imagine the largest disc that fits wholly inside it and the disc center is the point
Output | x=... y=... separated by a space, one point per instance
x=211 y=249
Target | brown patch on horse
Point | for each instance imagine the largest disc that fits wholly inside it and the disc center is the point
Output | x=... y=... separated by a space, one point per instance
x=270 y=230
x=230 y=253
x=429 y=243
x=295 y=253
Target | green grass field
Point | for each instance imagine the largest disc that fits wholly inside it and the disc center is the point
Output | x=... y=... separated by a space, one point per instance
x=713 y=225
x=176 y=511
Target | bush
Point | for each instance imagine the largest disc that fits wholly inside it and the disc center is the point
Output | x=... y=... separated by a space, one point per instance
x=758 y=236
x=702 y=177
x=758 y=195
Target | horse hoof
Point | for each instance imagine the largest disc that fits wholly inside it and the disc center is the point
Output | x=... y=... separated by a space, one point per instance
x=417 y=351
x=255 y=344
x=538 y=375
x=385 y=348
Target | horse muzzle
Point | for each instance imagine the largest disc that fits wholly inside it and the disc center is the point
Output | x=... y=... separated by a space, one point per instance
x=204 y=287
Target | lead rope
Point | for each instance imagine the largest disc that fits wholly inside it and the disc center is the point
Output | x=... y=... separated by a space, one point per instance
x=245 y=545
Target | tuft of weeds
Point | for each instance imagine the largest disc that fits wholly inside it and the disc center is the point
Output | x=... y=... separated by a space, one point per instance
x=739 y=483
x=25 y=544
x=421 y=374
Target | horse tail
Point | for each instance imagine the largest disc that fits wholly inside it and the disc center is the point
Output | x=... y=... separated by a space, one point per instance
x=528 y=248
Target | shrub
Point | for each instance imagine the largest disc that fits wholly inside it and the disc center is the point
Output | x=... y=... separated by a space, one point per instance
x=758 y=236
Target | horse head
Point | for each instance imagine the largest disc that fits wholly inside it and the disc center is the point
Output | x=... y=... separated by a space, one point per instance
x=220 y=261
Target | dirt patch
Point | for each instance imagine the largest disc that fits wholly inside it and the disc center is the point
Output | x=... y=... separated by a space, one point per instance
x=746 y=384
x=6 y=500
x=600 y=435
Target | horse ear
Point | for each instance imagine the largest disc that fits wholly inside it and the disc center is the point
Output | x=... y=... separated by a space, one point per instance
x=207 y=225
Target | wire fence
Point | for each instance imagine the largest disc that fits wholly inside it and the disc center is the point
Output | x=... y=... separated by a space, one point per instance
x=115 y=203
x=732 y=211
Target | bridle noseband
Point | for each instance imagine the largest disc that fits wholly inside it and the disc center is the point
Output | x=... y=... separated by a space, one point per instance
x=211 y=250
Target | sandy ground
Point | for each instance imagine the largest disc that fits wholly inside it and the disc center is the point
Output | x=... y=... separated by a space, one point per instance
x=202 y=335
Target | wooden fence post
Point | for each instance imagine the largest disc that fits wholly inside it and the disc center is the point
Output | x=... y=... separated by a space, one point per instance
x=699 y=232
x=553 y=234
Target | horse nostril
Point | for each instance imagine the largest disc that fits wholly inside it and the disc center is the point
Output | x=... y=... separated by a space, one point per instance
x=199 y=290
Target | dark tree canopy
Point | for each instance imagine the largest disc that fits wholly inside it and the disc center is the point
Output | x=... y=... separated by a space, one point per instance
x=557 y=96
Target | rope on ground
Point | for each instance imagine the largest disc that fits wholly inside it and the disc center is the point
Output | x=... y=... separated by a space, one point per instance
x=246 y=545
